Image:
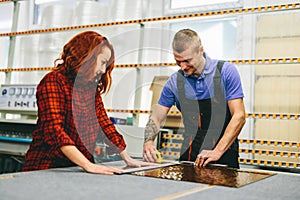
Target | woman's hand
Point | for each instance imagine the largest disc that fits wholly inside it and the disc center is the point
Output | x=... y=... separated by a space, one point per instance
x=78 y=158
x=137 y=163
x=101 y=169
x=133 y=162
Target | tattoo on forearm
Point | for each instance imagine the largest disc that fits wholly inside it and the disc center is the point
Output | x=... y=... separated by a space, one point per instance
x=150 y=130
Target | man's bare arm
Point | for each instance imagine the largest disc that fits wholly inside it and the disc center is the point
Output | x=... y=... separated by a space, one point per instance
x=158 y=115
x=151 y=130
x=235 y=125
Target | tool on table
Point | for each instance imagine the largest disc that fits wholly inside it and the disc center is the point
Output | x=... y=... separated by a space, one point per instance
x=159 y=158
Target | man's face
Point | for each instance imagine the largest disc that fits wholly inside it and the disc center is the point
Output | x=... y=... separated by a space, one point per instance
x=189 y=60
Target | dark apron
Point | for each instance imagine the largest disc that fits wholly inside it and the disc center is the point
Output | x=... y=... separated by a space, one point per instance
x=215 y=117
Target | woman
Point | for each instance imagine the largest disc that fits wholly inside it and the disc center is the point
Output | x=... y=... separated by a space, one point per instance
x=71 y=113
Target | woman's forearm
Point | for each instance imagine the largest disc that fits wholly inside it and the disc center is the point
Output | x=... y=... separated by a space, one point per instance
x=125 y=156
x=74 y=155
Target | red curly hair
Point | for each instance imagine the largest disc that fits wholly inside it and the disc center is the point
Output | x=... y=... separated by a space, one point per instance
x=80 y=53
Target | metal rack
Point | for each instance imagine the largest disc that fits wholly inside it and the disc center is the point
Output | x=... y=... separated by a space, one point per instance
x=169 y=140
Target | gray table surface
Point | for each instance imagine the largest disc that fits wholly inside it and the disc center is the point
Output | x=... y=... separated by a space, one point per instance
x=73 y=183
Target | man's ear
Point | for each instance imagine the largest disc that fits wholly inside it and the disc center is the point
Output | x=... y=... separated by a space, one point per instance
x=201 y=49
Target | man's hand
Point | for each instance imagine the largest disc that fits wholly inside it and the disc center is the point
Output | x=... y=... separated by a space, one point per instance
x=149 y=153
x=207 y=156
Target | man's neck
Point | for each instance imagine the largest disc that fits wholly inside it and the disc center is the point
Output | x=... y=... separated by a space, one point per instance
x=201 y=67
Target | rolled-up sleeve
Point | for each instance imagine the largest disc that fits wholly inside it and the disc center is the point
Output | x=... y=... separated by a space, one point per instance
x=108 y=127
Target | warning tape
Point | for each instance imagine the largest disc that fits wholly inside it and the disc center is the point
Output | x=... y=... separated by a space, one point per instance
x=249 y=161
x=247 y=115
x=271 y=116
x=269 y=163
x=171 y=145
x=170 y=153
x=271 y=153
x=253 y=61
x=172 y=136
x=270 y=143
x=247 y=151
x=156 y=19
x=244 y=62
x=26 y=69
x=244 y=141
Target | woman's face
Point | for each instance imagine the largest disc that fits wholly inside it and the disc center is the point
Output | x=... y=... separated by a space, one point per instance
x=102 y=62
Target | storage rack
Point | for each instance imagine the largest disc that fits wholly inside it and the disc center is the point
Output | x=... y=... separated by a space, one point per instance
x=264 y=9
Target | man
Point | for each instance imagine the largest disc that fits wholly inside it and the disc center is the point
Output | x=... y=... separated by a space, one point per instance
x=209 y=95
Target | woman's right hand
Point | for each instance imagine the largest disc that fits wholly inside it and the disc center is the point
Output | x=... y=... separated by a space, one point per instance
x=78 y=158
x=101 y=169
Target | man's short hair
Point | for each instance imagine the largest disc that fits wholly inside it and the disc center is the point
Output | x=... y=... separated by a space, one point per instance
x=184 y=39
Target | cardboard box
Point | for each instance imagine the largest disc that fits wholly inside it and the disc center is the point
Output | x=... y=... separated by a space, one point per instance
x=172 y=121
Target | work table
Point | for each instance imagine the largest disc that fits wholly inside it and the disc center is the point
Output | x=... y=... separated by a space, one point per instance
x=73 y=183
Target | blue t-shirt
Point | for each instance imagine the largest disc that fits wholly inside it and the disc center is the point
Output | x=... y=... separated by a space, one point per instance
x=197 y=88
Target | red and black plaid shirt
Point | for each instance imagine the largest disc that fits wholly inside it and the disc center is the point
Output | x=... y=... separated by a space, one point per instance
x=68 y=114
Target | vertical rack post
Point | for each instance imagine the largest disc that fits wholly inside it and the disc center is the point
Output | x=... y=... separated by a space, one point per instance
x=139 y=78
x=12 y=41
